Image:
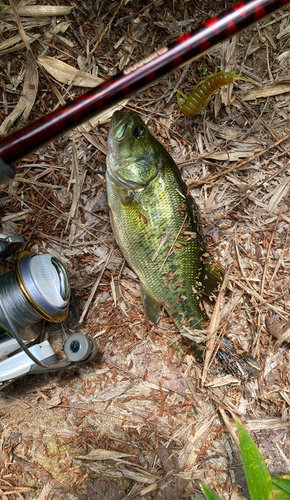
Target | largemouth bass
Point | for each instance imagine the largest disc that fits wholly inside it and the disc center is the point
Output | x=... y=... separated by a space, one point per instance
x=157 y=227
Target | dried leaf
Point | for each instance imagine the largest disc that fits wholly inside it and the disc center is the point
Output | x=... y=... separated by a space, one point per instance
x=229 y=51
x=45 y=491
x=228 y=133
x=103 y=489
x=278 y=327
x=228 y=155
x=284 y=33
x=279 y=193
x=159 y=370
x=269 y=423
x=169 y=489
x=100 y=454
x=104 y=116
x=30 y=86
x=282 y=60
x=58 y=28
x=283 y=79
x=8 y=400
x=12 y=44
x=220 y=381
x=27 y=99
x=189 y=456
x=65 y=41
x=213 y=327
x=65 y=73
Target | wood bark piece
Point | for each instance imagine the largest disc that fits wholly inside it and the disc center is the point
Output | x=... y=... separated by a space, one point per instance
x=37 y=11
x=269 y=90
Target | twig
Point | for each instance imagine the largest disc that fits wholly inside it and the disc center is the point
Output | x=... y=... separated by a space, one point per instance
x=268 y=179
x=35 y=183
x=261 y=119
x=229 y=427
x=20 y=27
x=213 y=327
x=174 y=241
x=177 y=84
x=95 y=46
x=268 y=64
x=261 y=299
x=94 y=289
x=268 y=251
x=63 y=216
x=15 y=491
x=240 y=164
x=162 y=242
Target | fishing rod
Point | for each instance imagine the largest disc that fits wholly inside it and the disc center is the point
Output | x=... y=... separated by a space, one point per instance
x=132 y=79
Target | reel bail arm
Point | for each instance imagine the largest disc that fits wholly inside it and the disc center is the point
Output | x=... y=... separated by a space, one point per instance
x=36 y=289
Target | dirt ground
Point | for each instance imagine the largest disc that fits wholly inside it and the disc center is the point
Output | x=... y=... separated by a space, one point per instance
x=138 y=421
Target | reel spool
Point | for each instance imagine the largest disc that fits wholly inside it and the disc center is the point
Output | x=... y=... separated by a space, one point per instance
x=36 y=289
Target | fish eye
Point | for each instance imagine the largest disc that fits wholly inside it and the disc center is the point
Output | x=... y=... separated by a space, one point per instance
x=138 y=131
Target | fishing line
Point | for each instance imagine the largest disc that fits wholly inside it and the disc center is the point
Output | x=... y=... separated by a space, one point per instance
x=14 y=332
x=37 y=288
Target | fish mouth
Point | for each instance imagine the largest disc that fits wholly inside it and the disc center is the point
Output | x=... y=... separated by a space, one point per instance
x=119 y=124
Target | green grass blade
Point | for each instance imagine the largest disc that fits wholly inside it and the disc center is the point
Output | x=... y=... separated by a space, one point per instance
x=209 y=494
x=257 y=475
x=281 y=484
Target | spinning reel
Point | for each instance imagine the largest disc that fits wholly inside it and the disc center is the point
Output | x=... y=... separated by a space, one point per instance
x=36 y=289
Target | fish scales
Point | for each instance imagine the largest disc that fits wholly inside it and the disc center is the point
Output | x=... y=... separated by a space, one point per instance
x=148 y=200
x=139 y=231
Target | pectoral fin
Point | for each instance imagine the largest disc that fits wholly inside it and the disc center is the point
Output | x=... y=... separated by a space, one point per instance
x=211 y=276
x=151 y=305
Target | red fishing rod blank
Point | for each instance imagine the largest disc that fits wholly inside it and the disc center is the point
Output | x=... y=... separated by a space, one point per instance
x=132 y=79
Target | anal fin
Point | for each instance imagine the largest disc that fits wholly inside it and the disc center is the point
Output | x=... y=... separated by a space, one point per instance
x=151 y=305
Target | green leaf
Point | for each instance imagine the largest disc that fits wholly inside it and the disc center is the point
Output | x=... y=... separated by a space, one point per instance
x=280 y=494
x=257 y=475
x=281 y=486
x=209 y=494
x=283 y=482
